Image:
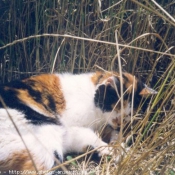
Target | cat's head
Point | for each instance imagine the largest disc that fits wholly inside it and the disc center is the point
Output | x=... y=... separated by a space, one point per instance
x=108 y=95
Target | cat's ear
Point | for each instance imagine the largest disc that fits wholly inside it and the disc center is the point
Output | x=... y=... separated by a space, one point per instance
x=147 y=91
x=110 y=81
x=113 y=82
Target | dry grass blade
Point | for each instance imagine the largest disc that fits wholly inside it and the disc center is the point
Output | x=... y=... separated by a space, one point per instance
x=52 y=70
x=121 y=86
x=81 y=38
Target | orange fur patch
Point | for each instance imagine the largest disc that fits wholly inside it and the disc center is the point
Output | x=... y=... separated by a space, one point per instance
x=98 y=77
x=46 y=85
x=20 y=161
x=129 y=82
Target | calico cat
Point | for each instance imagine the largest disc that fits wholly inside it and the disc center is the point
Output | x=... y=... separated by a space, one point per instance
x=58 y=113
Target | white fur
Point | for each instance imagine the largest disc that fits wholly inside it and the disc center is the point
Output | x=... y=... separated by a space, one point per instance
x=78 y=138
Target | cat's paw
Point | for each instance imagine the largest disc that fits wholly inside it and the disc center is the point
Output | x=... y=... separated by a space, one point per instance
x=117 y=153
x=105 y=149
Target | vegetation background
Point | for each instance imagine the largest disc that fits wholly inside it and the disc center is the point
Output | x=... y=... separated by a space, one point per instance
x=77 y=36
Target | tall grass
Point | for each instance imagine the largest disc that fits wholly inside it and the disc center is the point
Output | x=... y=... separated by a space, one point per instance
x=81 y=35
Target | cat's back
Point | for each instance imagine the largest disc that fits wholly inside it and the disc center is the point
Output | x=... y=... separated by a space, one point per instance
x=79 y=91
x=79 y=83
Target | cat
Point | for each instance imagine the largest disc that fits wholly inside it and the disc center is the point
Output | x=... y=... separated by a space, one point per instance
x=59 y=113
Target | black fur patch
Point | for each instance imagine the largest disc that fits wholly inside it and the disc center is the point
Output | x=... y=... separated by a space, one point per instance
x=51 y=105
x=58 y=157
x=137 y=97
x=59 y=170
x=11 y=100
x=105 y=97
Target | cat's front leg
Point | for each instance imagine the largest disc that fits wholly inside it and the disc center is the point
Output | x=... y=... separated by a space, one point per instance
x=77 y=139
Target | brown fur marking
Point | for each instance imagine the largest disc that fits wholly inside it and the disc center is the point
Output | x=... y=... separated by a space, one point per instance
x=98 y=77
x=20 y=161
x=46 y=85
x=129 y=81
